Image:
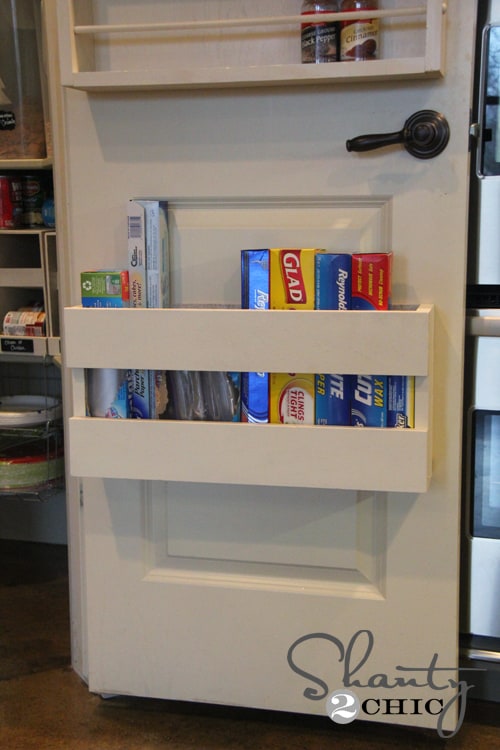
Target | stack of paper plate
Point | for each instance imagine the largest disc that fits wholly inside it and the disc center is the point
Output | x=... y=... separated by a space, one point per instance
x=22 y=411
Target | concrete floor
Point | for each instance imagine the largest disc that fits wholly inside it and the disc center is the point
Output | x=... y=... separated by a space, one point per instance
x=44 y=705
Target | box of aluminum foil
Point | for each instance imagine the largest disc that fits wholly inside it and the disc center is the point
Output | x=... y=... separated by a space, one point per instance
x=333 y=292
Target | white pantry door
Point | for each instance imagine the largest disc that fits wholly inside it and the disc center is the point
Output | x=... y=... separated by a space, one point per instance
x=256 y=595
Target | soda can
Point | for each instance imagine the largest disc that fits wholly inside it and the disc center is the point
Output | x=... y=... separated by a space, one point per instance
x=11 y=205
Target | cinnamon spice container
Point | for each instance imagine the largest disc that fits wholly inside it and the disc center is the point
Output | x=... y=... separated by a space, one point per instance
x=359 y=40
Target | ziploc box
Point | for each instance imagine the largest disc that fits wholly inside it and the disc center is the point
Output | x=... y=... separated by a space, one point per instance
x=371 y=281
x=292 y=276
x=255 y=296
x=371 y=290
x=333 y=292
x=104 y=288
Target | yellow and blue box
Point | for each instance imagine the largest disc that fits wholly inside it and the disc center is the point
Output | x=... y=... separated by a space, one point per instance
x=292 y=284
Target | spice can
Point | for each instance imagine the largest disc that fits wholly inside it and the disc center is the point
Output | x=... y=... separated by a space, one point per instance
x=33 y=198
x=11 y=205
x=23 y=323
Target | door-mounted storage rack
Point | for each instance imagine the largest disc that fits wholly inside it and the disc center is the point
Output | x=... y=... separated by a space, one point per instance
x=260 y=454
x=105 y=47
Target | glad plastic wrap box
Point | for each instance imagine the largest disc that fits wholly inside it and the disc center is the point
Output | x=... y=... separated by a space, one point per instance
x=292 y=284
x=292 y=398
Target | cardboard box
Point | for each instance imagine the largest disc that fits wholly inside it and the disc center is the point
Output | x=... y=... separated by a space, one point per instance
x=255 y=296
x=369 y=401
x=149 y=272
x=292 y=275
x=292 y=278
x=371 y=290
x=291 y=398
x=333 y=292
x=371 y=281
x=104 y=288
x=401 y=401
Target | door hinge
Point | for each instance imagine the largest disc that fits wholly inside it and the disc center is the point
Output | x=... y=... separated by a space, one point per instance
x=81 y=493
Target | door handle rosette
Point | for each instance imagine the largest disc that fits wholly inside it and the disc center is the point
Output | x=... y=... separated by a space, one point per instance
x=424 y=135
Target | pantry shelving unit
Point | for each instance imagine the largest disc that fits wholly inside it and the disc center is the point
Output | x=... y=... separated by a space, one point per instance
x=28 y=272
x=28 y=262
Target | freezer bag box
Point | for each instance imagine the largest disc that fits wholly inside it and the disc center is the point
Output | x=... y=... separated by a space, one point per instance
x=292 y=274
x=401 y=401
x=291 y=399
x=105 y=288
x=333 y=292
x=371 y=281
x=369 y=401
x=255 y=296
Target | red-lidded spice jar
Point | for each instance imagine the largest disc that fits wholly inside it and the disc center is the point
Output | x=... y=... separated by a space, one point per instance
x=359 y=40
x=320 y=41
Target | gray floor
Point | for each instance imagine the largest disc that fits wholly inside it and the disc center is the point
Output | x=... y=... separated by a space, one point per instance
x=45 y=706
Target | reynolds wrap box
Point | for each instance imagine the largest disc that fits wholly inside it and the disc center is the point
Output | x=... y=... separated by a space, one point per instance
x=333 y=292
x=292 y=278
x=255 y=296
x=371 y=290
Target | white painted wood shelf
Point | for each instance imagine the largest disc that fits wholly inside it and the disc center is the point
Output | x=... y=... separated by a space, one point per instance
x=237 y=453
x=104 y=48
x=28 y=271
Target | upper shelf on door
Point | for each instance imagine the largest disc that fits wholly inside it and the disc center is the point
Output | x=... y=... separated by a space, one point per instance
x=171 y=45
